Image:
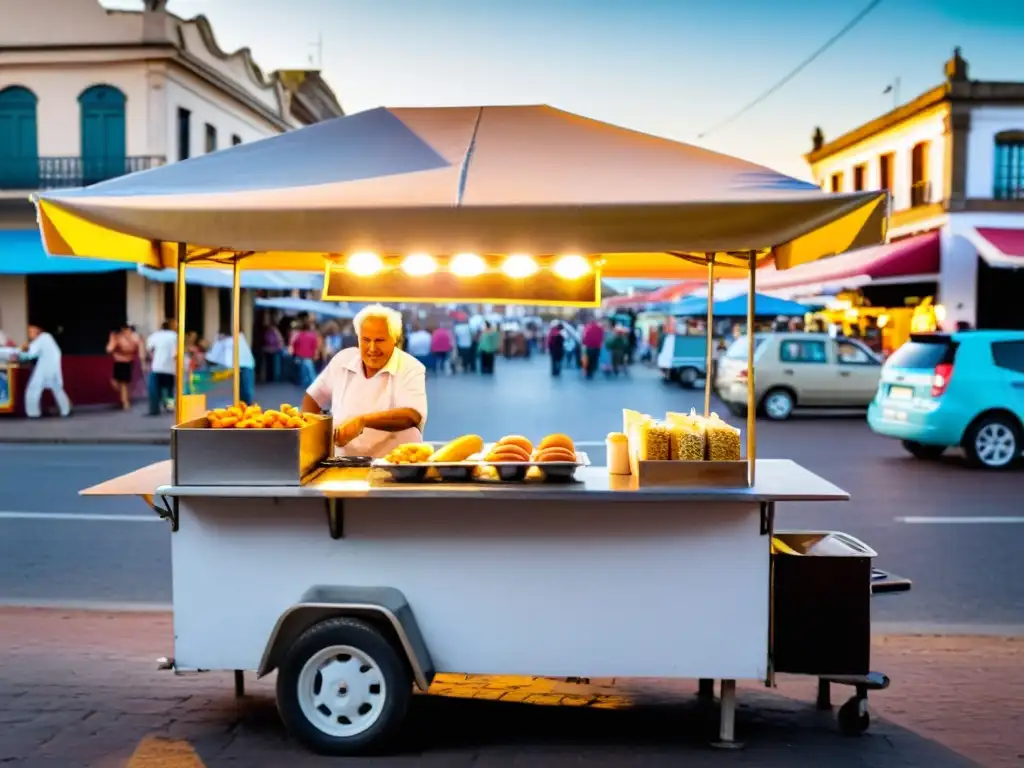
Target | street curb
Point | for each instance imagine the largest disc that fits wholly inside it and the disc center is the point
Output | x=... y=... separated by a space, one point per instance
x=87 y=440
x=879 y=629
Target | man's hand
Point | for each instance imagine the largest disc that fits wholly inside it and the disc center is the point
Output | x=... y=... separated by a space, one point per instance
x=349 y=431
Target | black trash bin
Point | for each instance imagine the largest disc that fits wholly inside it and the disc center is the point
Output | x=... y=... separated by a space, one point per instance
x=821 y=603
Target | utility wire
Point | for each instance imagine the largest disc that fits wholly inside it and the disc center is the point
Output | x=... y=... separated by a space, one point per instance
x=796 y=71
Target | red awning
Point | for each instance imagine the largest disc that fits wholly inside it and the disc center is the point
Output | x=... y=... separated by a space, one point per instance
x=914 y=256
x=615 y=302
x=999 y=247
x=669 y=293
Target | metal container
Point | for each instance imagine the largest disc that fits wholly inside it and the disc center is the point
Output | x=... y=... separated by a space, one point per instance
x=231 y=457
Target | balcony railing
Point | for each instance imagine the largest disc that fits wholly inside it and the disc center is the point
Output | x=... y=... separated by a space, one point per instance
x=920 y=193
x=67 y=172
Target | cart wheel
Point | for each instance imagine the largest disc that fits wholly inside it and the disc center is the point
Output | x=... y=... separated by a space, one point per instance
x=853 y=717
x=343 y=689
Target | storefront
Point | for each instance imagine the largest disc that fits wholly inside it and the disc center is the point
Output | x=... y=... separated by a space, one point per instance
x=873 y=293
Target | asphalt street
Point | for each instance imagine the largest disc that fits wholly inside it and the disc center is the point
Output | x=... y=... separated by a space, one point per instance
x=59 y=548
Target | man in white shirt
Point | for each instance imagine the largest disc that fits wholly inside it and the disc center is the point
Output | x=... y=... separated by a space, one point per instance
x=162 y=350
x=376 y=392
x=419 y=346
x=47 y=373
x=464 y=343
x=223 y=354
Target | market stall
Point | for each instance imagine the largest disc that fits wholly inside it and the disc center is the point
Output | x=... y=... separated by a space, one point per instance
x=491 y=554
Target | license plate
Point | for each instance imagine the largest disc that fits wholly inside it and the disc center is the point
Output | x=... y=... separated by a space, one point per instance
x=901 y=393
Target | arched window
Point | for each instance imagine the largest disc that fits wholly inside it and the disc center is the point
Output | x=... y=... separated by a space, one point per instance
x=103 y=133
x=1009 y=175
x=19 y=151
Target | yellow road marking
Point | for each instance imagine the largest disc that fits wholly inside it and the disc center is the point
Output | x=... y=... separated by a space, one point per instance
x=157 y=752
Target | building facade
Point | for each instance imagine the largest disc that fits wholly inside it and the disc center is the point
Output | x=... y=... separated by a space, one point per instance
x=953 y=161
x=103 y=93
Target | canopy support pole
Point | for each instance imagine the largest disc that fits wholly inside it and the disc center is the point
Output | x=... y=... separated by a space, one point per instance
x=179 y=327
x=236 y=326
x=751 y=389
x=709 y=336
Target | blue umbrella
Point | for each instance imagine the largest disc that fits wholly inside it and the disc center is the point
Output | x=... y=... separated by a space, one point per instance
x=764 y=306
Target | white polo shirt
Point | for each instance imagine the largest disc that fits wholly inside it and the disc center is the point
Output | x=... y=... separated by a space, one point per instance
x=343 y=387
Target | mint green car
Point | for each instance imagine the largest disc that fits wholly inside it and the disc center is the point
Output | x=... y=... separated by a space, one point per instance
x=946 y=390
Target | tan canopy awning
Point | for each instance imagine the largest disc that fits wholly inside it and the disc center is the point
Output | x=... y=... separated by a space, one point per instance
x=488 y=180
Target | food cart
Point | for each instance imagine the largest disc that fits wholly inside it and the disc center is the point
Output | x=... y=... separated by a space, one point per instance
x=355 y=588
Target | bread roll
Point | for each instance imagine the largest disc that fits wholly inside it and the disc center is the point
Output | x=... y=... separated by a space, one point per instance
x=557 y=440
x=459 y=449
x=514 y=450
x=555 y=454
x=508 y=458
x=516 y=440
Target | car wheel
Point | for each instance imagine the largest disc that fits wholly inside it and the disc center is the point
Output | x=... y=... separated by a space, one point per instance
x=993 y=442
x=740 y=411
x=778 y=404
x=688 y=378
x=343 y=689
x=922 y=451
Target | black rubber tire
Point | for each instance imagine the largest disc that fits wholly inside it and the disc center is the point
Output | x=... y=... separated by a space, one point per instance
x=737 y=410
x=397 y=681
x=973 y=459
x=922 y=451
x=778 y=390
x=688 y=377
x=851 y=721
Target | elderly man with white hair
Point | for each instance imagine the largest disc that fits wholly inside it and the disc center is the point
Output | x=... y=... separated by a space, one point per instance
x=376 y=393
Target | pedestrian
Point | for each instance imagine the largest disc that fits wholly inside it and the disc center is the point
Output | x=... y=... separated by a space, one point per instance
x=555 y=344
x=332 y=341
x=419 y=347
x=464 y=344
x=162 y=350
x=273 y=350
x=46 y=374
x=442 y=343
x=490 y=339
x=223 y=355
x=593 y=341
x=123 y=346
x=304 y=348
x=348 y=337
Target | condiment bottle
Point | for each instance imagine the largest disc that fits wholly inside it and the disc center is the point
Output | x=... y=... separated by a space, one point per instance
x=617 y=447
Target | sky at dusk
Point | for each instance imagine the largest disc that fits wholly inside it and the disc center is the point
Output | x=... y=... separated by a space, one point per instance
x=669 y=67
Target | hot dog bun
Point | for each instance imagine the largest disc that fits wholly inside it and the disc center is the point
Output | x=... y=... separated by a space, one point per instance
x=516 y=440
x=459 y=449
x=555 y=454
x=557 y=440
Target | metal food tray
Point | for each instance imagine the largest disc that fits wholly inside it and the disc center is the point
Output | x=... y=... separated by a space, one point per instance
x=462 y=471
x=263 y=457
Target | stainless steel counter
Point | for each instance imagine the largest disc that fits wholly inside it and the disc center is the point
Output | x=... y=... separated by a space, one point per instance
x=776 y=480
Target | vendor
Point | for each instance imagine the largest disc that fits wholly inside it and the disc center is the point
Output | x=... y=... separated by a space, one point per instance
x=375 y=392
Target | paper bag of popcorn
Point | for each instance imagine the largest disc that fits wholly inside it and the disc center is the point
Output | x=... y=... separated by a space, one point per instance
x=687 y=436
x=723 y=440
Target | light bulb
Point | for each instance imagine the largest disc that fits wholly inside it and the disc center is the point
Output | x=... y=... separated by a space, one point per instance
x=519 y=266
x=364 y=263
x=419 y=264
x=571 y=267
x=468 y=265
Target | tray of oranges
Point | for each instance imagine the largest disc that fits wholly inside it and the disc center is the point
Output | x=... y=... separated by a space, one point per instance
x=243 y=416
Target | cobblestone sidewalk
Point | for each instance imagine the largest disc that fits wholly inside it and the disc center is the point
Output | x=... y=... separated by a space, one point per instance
x=81 y=689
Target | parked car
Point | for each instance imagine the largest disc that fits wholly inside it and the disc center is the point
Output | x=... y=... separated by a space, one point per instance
x=798 y=370
x=964 y=389
x=683 y=358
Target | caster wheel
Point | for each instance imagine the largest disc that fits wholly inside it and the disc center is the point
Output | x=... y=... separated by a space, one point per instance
x=853 y=717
